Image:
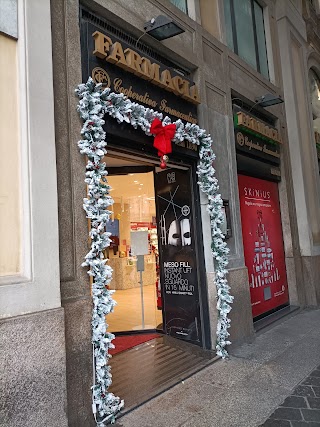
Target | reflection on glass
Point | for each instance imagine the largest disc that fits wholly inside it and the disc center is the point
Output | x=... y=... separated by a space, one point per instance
x=314 y=87
x=245 y=33
x=244 y=30
x=228 y=22
x=180 y=4
x=261 y=40
x=133 y=210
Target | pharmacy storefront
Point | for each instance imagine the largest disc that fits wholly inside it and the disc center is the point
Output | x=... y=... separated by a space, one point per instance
x=258 y=147
x=156 y=238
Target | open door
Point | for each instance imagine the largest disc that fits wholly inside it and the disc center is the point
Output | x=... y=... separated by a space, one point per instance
x=177 y=253
x=133 y=212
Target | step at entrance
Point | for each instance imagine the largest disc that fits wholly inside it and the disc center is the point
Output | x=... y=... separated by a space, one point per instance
x=147 y=370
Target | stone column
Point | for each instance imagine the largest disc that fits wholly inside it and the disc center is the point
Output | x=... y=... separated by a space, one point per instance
x=73 y=226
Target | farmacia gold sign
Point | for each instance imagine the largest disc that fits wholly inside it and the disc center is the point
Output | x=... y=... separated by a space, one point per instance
x=99 y=75
x=256 y=126
x=142 y=67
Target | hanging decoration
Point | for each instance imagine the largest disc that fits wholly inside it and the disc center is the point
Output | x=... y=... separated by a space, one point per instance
x=93 y=105
x=163 y=136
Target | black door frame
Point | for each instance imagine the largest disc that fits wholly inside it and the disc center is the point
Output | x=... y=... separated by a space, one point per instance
x=123 y=148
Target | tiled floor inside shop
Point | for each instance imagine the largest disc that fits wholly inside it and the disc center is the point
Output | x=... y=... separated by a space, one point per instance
x=127 y=314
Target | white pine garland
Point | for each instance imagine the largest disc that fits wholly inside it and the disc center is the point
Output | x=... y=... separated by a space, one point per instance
x=93 y=105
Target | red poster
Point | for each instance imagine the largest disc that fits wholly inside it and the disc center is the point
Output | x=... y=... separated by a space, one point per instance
x=263 y=243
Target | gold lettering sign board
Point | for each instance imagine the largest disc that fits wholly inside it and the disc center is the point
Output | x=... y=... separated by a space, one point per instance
x=250 y=123
x=244 y=140
x=131 y=62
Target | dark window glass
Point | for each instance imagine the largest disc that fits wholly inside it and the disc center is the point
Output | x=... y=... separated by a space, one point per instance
x=227 y=15
x=261 y=40
x=180 y=4
x=314 y=88
x=245 y=32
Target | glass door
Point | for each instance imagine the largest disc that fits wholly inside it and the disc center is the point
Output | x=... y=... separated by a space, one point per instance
x=133 y=218
x=177 y=254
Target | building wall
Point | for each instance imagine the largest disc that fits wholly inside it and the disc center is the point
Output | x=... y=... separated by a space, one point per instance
x=73 y=225
x=45 y=301
x=294 y=47
x=227 y=76
x=221 y=76
x=32 y=339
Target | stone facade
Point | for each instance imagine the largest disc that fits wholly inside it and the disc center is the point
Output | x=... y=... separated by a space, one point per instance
x=54 y=300
x=33 y=370
x=32 y=323
x=298 y=24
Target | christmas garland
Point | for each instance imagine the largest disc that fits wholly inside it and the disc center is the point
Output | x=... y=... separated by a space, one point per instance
x=93 y=105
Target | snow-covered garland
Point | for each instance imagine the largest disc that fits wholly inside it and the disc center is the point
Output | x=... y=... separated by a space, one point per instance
x=93 y=105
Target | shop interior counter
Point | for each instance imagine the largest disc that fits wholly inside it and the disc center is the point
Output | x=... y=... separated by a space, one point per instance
x=125 y=270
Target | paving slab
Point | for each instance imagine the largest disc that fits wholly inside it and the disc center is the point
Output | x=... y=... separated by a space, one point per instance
x=274 y=381
x=301 y=405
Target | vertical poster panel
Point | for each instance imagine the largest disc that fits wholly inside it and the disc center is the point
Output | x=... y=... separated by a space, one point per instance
x=263 y=243
x=178 y=264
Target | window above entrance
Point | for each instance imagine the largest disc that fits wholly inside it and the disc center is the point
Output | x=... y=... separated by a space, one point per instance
x=245 y=32
x=314 y=90
x=314 y=87
x=181 y=4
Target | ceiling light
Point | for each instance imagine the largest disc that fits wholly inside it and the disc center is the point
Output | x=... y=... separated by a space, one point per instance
x=162 y=28
x=268 y=100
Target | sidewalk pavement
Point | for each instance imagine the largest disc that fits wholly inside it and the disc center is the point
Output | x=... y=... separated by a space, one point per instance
x=247 y=389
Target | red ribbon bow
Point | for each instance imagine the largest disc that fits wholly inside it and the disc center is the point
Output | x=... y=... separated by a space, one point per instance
x=162 y=136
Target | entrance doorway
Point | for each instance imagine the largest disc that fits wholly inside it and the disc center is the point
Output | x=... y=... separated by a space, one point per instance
x=133 y=211
x=153 y=250
x=157 y=320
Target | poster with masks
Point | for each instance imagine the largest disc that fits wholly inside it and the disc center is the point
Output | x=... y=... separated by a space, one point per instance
x=178 y=266
x=263 y=244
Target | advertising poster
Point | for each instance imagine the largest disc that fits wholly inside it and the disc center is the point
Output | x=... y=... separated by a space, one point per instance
x=178 y=267
x=263 y=243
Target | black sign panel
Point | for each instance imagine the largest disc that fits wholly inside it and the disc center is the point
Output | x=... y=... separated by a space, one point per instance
x=253 y=146
x=253 y=167
x=178 y=263
x=136 y=88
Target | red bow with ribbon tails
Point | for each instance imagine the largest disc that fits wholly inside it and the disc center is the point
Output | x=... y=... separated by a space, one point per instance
x=162 y=139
